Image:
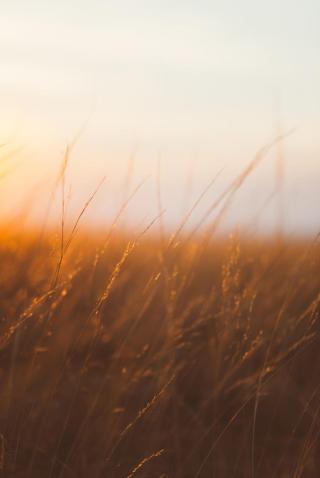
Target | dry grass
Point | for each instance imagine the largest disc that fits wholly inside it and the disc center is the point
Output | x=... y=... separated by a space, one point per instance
x=179 y=357
x=128 y=354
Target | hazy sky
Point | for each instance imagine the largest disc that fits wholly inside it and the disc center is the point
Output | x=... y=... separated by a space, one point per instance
x=193 y=82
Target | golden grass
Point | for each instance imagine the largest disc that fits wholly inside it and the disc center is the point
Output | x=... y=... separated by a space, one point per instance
x=127 y=354
x=179 y=357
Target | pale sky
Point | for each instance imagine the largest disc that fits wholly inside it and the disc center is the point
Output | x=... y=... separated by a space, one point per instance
x=191 y=82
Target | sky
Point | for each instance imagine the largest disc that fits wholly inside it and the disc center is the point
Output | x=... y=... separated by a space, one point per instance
x=173 y=91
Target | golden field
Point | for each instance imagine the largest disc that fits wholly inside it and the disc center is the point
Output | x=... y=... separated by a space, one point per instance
x=153 y=356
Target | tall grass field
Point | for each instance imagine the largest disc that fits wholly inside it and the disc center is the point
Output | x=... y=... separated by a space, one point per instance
x=146 y=354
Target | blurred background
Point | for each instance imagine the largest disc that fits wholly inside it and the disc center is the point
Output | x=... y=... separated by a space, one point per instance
x=170 y=93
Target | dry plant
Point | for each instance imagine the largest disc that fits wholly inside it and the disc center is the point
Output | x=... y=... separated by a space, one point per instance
x=180 y=356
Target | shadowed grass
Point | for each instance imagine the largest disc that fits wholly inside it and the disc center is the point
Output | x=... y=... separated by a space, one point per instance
x=159 y=360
